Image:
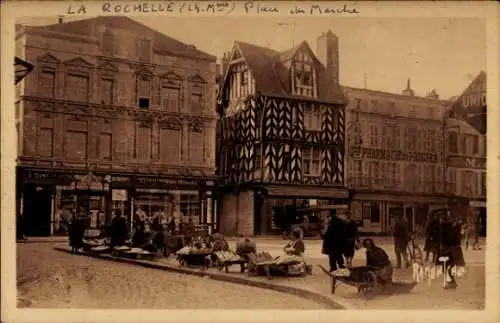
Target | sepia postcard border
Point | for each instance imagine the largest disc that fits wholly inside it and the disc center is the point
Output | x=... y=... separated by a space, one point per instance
x=12 y=10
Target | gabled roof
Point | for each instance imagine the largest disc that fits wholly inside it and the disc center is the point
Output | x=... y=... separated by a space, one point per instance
x=272 y=77
x=474 y=114
x=162 y=43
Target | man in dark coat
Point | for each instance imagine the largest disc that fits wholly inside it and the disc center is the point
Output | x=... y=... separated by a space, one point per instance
x=431 y=237
x=119 y=230
x=334 y=242
x=401 y=239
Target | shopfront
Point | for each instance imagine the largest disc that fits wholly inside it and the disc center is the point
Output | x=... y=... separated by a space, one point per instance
x=261 y=211
x=50 y=199
x=375 y=211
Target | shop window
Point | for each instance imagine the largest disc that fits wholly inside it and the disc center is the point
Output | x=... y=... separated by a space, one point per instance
x=190 y=207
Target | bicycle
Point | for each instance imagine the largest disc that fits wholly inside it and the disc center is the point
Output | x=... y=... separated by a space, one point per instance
x=415 y=252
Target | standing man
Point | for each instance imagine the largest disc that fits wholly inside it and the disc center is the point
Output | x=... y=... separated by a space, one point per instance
x=401 y=238
x=334 y=242
x=352 y=238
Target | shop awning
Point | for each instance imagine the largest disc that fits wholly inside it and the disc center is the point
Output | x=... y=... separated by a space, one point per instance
x=319 y=192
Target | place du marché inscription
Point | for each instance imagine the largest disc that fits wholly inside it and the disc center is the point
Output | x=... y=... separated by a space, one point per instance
x=221 y=7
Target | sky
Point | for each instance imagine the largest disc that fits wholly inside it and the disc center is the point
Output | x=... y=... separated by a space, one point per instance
x=435 y=53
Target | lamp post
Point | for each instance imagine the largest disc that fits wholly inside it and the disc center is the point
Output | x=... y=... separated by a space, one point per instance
x=21 y=69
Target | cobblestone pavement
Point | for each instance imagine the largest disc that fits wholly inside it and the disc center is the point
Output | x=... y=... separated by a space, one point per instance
x=48 y=278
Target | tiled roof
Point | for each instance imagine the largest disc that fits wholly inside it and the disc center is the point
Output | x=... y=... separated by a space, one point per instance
x=162 y=43
x=394 y=95
x=272 y=77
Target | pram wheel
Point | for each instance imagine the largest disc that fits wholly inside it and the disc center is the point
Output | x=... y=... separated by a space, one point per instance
x=369 y=284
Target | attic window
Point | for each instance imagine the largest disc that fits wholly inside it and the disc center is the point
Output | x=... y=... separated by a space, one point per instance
x=304 y=79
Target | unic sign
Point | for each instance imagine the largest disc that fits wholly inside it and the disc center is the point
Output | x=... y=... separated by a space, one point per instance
x=475 y=99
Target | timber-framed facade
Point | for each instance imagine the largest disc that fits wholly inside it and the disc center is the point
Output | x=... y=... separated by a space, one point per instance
x=281 y=133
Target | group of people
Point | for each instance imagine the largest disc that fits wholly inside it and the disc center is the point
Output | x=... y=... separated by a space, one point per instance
x=443 y=241
x=341 y=240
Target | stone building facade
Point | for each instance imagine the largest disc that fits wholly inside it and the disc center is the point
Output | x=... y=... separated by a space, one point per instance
x=114 y=116
x=395 y=156
x=466 y=149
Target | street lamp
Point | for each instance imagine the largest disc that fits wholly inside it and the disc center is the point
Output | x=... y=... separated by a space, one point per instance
x=21 y=69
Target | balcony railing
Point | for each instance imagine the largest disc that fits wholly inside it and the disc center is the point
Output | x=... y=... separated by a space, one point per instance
x=388 y=184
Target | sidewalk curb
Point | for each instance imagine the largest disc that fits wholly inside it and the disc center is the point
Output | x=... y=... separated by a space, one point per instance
x=43 y=240
x=331 y=302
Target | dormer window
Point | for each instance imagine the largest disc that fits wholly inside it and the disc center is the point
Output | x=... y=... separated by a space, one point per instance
x=303 y=77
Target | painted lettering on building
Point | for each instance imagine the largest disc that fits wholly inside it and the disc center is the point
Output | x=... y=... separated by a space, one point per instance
x=396 y=155
x=466 y=162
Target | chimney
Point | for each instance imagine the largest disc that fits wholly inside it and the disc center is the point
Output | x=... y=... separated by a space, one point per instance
x=327 y=51
x=408 y=91
x=60 y=20
x=433 y=95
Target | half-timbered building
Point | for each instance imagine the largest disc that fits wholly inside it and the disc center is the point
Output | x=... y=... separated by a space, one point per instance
x=114 y=116
x=280 y=137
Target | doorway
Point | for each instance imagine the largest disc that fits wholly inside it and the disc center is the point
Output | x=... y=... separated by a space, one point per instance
x=37 y=209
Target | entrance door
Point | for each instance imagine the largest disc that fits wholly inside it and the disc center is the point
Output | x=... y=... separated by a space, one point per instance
x=37 y=208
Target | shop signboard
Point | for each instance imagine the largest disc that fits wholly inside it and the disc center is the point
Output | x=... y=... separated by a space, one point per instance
x=466 y=162
x=396 y=155
x=119 y=195
x=477 y=203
